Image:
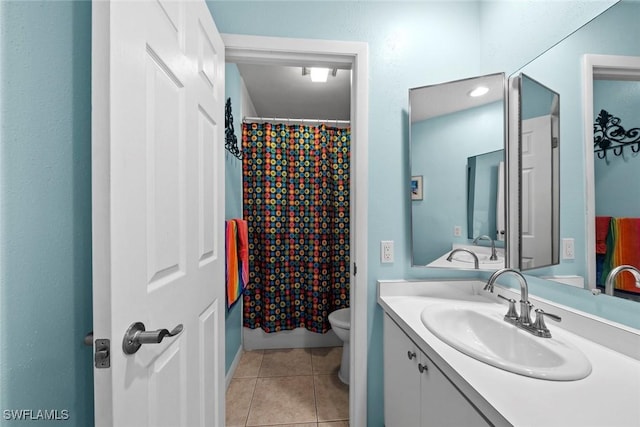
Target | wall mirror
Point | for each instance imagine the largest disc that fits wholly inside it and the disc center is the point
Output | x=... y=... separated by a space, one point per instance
x=455 y=197
x=538 y=141
x=566 y=68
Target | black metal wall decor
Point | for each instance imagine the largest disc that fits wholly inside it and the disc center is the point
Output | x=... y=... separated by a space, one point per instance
x=231 y=142
x=608 y=134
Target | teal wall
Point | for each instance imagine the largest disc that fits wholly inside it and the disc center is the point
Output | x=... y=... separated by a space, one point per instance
x=45 y=264
x=537 y=100
x=439 y=150
x=514 y=32
x=233 y=205
x=45 y=209
x=616 y=178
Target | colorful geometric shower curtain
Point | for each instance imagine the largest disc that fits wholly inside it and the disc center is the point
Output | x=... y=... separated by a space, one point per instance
x=296 y=203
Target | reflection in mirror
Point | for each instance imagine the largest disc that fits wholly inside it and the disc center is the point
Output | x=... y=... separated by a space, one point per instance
x=485 y=180
x=614 y=32
x=616 y=165
x=539 y=174
x=447 y=126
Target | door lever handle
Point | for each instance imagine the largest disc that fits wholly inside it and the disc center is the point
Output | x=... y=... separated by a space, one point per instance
x=136 y=335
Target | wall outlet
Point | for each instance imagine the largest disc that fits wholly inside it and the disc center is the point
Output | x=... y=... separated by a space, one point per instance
x=457 y=231
x=568 y=249
x=386 y=251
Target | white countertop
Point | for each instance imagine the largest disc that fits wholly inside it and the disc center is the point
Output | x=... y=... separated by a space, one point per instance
x=469 y=265
x=608 y=397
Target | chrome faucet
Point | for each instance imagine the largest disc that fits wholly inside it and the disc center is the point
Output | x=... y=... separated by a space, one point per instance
x=476 y=263
x=525 y=305
x=522 y=321
x=494 y=256
x=611 y=277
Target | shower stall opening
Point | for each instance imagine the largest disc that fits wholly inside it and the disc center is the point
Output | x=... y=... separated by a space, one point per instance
x=296 y=203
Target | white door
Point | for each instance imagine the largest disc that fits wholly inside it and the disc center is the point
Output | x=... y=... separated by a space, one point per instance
x=158 y=211
x=536 y=192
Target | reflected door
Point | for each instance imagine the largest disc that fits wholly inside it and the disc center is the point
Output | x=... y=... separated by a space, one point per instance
x=536 y=192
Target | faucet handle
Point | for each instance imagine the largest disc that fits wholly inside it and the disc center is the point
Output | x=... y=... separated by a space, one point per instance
x=539 y=324
x=512 y=314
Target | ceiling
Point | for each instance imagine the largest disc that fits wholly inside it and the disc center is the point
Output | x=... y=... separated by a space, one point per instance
x=283 y=92
x=445 y=98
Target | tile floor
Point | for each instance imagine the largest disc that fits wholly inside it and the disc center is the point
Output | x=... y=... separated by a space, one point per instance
x=289 y=387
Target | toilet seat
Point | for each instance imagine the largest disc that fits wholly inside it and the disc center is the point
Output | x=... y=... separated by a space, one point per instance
x=341 y=318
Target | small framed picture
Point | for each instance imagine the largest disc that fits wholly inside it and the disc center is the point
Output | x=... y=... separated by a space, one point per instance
x=416 y=187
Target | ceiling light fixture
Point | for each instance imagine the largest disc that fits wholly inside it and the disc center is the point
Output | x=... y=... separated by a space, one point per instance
x=319 y=75
x=479 y=91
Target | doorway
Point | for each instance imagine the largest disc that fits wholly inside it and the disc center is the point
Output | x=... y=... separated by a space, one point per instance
x=241 y=49
x=624 y=69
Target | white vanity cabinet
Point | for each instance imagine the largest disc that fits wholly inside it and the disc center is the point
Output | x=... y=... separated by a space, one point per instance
x=416 y=392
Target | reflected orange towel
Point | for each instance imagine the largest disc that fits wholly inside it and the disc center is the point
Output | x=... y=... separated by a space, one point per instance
x=231 y=267
x=626 y=250
x=602 y=229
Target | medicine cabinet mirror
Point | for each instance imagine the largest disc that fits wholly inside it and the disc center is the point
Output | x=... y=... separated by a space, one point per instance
x=463 y=205
x=457 y=141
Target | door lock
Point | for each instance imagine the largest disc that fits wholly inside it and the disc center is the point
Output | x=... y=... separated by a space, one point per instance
x=101 y=357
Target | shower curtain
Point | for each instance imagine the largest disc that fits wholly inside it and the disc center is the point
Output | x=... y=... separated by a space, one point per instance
x=296 y=203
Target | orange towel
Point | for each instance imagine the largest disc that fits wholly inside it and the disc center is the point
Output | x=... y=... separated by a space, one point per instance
x=231 y=267
x=602 y=229
x=243 y=251
x=626 y=250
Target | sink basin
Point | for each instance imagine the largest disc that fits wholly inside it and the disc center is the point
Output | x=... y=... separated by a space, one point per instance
x=482 y=258
x=480 y=332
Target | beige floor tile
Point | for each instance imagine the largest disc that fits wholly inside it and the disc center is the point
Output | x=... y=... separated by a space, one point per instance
x=249 y=365
x=238 y=401
x=334 y=424
x=332 y=398
x=326 y=360
x=283 y=400
x=286 y=362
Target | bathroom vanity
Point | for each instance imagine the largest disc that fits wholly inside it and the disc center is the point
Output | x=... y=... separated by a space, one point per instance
x=430 y=382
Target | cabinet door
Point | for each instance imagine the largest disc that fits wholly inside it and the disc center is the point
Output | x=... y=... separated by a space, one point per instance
x=442 y=404
x=401 y=378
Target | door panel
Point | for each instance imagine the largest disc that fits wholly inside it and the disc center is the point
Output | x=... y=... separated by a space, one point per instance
x=206 y=179
x=210 y=358
x=165 y=173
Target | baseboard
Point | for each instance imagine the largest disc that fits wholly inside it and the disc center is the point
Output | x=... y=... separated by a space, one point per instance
x=233 y=367
x=257 y=339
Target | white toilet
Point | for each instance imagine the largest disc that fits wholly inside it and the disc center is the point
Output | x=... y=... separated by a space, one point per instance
x=341 y=324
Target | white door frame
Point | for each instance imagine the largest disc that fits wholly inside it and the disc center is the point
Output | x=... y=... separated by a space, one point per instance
x=594 y=67
x=354 y=56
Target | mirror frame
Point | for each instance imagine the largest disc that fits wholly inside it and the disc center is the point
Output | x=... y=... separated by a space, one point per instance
x=513 y=188
x=606 y=66
x=512 y=174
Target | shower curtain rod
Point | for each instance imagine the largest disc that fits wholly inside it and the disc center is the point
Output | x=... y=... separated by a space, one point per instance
x=282 y=119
